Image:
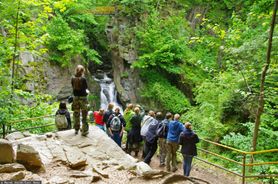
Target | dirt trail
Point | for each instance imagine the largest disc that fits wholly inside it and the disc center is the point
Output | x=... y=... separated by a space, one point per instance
x=200 y=171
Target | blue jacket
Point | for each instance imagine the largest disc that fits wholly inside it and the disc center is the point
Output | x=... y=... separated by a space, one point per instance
x=188 y=140
x=174 y=129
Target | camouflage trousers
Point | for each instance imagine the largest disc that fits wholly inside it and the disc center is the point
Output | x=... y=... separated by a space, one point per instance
x=171 y=155
x=80 y=104
x=162 y=150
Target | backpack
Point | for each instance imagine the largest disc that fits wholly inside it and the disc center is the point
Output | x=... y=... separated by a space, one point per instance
x=61 y=121
x=115 y=124
x=161 y=130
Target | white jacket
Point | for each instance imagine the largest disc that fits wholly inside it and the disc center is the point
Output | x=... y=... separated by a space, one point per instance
x=145 y=124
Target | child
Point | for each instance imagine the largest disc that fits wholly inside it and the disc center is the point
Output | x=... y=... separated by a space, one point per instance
x=64 y=111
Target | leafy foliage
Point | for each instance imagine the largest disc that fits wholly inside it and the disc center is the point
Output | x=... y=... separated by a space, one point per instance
x=67 y=32
x=159 y=90
x=161 y=43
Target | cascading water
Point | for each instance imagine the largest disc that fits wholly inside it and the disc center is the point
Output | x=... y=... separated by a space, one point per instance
x=108 y=92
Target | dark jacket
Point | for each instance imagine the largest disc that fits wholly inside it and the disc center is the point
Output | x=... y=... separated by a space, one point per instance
x=134 y=135
x=106 y=116
x=165 y=123
x=67 y=114
x=151 y=136
x=123 y=123
x=174 y=129
x=82 y=86
x=188 y=140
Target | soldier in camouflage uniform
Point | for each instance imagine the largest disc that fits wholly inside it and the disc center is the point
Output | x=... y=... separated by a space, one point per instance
x=80 y=102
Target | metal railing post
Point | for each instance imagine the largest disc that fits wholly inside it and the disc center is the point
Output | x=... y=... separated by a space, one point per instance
x=243 y=168
x=4 y=131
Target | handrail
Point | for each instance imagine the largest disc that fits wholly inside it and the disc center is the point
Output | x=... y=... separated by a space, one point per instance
x=10 y=123
x=243 y=164
x=224 y=146
x=28 y=119
x=240 y=151
x=220 y=156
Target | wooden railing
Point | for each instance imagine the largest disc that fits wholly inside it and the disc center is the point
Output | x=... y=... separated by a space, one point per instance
x=243 y=163
x=9 y=128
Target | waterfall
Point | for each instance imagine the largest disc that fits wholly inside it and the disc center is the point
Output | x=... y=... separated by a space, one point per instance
x=108 y=92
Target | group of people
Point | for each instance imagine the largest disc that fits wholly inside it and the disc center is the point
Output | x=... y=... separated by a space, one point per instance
x=153 y=129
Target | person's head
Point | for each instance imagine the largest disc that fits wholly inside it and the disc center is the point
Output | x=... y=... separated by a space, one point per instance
x=169 y=115
x=101 y=111
x=151 y=113
x=159 y=116
x=79 y=71
x=62 y=105
x=176 y=117
x=129 y=106
x=110 y=106
x=188 y=125
x=117 y=110
x=136 y=110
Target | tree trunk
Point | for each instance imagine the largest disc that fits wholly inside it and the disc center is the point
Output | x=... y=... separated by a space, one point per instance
x=261 y=97
x=15 y=48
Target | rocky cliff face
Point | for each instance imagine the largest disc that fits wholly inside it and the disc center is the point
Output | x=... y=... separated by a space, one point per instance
x=52 y=79
x=124 y=53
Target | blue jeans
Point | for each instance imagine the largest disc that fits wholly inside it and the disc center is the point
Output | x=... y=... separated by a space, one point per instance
x=101 y=127
x=187 y=160
x=117 y=138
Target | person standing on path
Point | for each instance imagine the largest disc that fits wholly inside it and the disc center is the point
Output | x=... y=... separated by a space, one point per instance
x=134 y=136
x=98 y=116
x=151 y=138
x=107 y=115
x=163 y=137
x=175 y=127
x=188 y=140
x=116 y=125
x=80 y=102
x=64 y=111
x=128 y=113
x=147 y=119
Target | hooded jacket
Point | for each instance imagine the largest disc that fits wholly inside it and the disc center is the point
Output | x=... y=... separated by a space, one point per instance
x=67 y=114
x=174 y=129
x=151 y=136
x=188 y=140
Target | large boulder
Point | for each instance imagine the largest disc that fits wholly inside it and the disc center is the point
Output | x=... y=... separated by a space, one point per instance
x=7 y=152
x=17 y=176
x=29 y=157
x=142 y=168
x=15 y=136
x=75 y=158
x=10 y=168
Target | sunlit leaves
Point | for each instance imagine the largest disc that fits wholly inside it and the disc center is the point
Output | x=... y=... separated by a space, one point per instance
x=161 y=43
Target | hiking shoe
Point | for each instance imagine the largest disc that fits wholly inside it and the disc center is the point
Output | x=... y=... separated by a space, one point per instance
x=174 y=169
x=76 y=132
x=85 y=133
x=162 y=165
